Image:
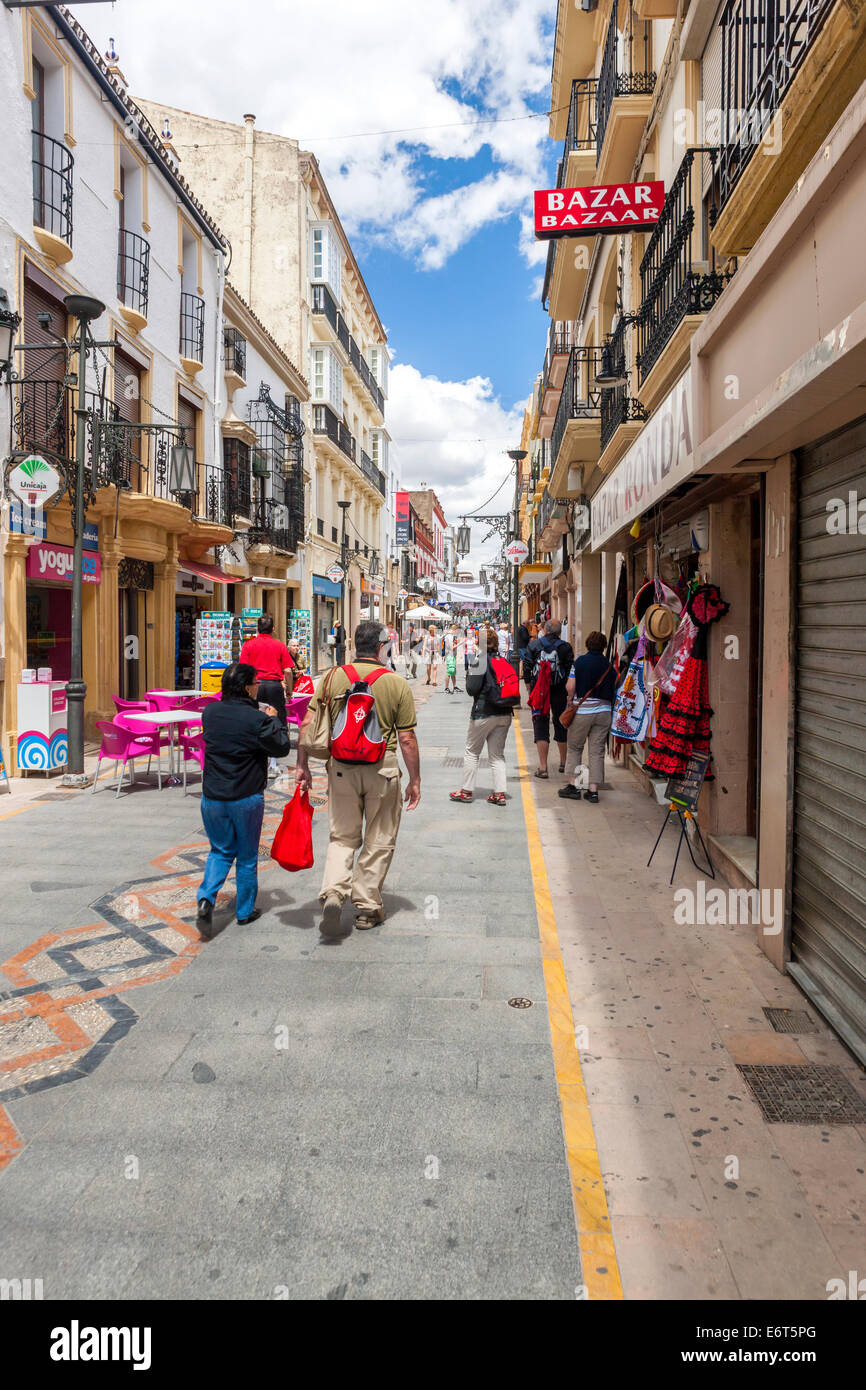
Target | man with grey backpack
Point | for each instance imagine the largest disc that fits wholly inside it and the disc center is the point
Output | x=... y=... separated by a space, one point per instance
x=546 y=668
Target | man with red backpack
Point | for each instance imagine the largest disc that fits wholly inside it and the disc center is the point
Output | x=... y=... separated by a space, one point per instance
x=495 y=688
x=546 y=669
x=369 y=711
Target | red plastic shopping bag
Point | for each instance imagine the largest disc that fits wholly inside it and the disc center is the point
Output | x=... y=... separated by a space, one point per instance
x=293 y=842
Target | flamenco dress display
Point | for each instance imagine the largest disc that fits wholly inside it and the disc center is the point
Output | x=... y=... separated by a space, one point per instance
x=684 y=723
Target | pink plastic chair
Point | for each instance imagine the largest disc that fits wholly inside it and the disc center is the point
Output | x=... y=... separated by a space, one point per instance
x=192 y=747
x=162 y=700
x=121 y=745
x=130 y=706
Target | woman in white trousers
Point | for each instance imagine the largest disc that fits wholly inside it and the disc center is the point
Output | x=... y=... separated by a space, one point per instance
x=489 y=723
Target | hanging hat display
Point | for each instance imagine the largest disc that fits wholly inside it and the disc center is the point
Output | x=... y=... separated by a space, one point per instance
x=659 y=622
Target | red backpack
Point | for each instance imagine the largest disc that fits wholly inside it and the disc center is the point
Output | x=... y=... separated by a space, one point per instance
x=356 y=736
x=505 y=678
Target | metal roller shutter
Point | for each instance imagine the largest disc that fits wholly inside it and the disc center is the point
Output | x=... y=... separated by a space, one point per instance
x=828 y=926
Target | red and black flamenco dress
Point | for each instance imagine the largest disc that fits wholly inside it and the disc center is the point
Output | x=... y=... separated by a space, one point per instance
x=684 y=723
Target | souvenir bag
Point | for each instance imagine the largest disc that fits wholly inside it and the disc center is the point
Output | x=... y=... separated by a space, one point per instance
x=356 y=736
x=293 y=842
x=633 y=706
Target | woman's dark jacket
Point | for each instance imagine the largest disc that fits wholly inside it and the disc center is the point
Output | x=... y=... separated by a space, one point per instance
x=587 y=670
x=481 y=684
x=239 y=738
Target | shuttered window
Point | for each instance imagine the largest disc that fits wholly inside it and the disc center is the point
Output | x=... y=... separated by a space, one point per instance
x=42 y=422
x=828 y=921
x=127 y=399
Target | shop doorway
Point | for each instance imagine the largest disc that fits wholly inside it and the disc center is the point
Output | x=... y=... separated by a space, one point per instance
x=828 y=921
x=135 y=589
x=49 y=629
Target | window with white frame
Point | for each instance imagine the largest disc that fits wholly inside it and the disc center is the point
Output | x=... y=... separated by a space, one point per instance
x=378 y=357
x=379 y=449
x=326 y=263
x=327 y=378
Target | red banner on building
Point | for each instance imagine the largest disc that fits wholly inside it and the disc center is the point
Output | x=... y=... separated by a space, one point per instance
x=608 y=207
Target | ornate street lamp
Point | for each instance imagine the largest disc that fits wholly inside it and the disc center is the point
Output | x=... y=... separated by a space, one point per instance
x=9 y=322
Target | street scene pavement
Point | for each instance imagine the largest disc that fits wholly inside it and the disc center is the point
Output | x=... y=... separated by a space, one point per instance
x=270 y=1115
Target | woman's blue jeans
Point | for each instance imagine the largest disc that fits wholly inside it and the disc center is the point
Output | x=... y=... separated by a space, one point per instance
x=234 y=829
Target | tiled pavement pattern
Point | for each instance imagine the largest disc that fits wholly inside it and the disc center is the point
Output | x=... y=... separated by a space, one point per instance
x=361 y=1120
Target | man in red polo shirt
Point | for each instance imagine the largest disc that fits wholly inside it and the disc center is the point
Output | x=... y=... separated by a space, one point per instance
x=274 y=666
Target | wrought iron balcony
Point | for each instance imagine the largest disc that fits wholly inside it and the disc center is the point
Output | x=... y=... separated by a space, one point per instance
x=191 y=327
x=618 y=406
x=764 y=43
x=580 y=134
x=132 y=457
x=214 y=497
x=581 y=399
x=372 y=473
x=43 y=420
x=344 y=337
x=560 y=340
x=672 y=286
x=235 y=352
x=52 y=186
x=278 y=511
x=621 y=74
x=324 y=303
x=133 y=270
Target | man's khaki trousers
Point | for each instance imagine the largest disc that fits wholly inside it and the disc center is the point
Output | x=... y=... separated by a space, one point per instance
x=364 y=808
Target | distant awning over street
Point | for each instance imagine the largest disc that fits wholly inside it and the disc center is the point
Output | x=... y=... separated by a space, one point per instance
x=212 y=572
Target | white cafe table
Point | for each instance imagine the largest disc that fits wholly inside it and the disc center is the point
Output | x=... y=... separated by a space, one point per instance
x=171 y=718
x=179 y=694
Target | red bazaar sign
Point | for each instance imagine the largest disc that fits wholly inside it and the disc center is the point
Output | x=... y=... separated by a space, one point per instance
x=608 y=207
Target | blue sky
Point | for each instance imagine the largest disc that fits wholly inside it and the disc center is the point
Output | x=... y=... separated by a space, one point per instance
x=442 y=225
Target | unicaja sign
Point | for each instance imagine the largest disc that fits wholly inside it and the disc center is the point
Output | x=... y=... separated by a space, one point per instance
x=34 y=481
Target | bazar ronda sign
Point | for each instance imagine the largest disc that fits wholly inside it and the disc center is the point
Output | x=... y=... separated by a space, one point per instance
x=609 y=207
x=660 y=459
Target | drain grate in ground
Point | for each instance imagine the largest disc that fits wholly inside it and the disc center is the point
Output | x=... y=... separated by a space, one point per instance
x=458 y=762
x=808 y=1095
x=790 y=1020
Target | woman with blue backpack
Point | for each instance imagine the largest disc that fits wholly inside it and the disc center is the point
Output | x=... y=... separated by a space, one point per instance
x=492 y=682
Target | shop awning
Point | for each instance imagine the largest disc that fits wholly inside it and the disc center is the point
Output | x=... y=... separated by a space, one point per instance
x=326 y=587
x=212 y=572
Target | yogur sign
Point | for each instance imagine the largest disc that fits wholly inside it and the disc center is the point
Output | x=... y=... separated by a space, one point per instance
x=608 y=207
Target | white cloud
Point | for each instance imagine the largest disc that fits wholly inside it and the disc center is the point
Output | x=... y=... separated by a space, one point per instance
x=330 y=74
x=454 y=436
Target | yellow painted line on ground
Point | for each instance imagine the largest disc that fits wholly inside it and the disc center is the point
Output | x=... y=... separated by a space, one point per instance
x=600 y=1270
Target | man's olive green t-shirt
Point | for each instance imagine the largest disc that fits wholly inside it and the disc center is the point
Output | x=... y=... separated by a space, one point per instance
x=395 y=704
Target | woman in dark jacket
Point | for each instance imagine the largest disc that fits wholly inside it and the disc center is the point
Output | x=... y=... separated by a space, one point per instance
x=239 y=738
x=591 y=690
x=489 y=723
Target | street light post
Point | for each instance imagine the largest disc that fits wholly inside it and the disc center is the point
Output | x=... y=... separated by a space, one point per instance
x=344 y=565
x=85 y=309
x=518 y=455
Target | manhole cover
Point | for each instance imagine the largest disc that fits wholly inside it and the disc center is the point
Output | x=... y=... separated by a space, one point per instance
x=458 y=762
x=518 y=1002
x=790 y=1021
x=809 y=1095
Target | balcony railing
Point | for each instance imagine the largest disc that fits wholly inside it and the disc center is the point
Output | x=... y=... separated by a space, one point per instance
x=133 y=457
x=344 y=337
x=235 y=352
x=622 y=76
x=372 y=473
x=671 y=284
x=581 y=399
x=764 y=43
x=560 y=340
x=580 y=132
x=278 y=514
x=618 y=406
x=133 y=270
x=359 y=363
x=236 y=462
x=191 y=327
x=214 y=498
x=42 y=420
x=52 y=186
x=324 y=303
